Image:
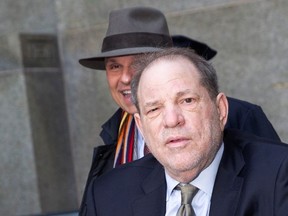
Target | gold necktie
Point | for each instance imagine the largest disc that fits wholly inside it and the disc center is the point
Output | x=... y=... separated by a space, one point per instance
x=188 y=192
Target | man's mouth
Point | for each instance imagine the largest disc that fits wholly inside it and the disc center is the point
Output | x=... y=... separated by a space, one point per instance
x=173 y=140
x=126 y=93
x=177 y=141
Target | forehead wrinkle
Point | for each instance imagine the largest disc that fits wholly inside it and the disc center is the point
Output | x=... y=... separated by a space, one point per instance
x=146 y=74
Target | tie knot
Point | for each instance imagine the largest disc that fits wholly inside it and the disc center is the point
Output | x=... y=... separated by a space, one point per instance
x=188 y=192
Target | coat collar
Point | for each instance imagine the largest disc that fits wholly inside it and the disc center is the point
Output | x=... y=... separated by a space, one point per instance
x=153 y=200
x=109 y=133
x=229 y=181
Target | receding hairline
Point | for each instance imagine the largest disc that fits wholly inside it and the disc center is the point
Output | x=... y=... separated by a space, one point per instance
x=203 y=69
x=175 y=56
x=195 y=72
x=168 y=58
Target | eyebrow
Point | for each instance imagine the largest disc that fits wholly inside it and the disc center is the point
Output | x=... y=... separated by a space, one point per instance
x=108 y=60
x=179 y=94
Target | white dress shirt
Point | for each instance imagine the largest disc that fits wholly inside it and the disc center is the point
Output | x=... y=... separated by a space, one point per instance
x=205 y=183
x=139 y=147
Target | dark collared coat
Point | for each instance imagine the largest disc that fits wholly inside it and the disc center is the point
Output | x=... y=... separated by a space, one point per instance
x=251 y=180
x=242 y=115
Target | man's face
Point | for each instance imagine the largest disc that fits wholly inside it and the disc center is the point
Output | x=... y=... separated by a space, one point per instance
x=119 y=74
x=181 y=124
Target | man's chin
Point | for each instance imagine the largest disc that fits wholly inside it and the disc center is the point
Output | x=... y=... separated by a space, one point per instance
x=131 y=109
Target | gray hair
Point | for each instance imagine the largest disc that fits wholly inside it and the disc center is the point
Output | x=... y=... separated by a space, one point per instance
x=208 y=76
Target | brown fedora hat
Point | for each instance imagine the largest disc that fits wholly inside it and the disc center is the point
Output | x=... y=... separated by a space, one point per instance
x=131 y=31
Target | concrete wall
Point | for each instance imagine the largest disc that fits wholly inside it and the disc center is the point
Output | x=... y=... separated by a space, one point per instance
x=51 y=111
x=37 y=168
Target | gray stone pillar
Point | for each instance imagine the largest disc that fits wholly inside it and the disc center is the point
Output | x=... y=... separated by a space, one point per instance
x=48 y=121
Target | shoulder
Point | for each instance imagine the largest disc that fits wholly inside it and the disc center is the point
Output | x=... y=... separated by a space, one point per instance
x=256 y=167
x=242 y=105
x=254 y=147
x=128 y=174
x=258 y=160
x=251 y=118
x=123 y=185
x=244 y=138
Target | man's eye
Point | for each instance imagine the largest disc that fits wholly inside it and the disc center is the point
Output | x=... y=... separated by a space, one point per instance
x=112 y=66
x=188 y=100
x=189 y=103
x=152 y=110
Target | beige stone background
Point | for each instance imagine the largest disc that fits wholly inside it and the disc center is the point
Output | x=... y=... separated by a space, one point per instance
x=51 y=108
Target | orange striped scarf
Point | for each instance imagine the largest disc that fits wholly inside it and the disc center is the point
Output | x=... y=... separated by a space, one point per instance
x=126 y=140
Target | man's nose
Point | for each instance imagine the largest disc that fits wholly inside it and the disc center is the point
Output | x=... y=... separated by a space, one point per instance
x=127 y=75
x=173 y=117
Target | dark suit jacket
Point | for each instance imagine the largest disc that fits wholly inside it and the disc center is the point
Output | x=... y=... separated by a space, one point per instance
x=252 y=180
x=250 y=118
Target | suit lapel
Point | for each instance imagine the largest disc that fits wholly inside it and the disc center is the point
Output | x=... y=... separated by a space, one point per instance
x=228 y=182
x=153 y=201
x=226 y=192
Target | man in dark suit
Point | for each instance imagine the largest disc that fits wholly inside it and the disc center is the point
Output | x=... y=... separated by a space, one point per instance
x=116 y=57
x=182 y=116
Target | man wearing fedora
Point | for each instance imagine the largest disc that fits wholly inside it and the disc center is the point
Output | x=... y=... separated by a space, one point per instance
x=134 y=31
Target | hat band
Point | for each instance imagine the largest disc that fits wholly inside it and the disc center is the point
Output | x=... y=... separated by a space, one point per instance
x=132 y=40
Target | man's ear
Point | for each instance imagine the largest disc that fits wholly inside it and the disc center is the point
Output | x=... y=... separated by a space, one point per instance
x=222 y=104
x=138 y=122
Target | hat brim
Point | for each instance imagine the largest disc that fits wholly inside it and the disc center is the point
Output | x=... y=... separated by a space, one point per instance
x=98 y=62
x=200 y=48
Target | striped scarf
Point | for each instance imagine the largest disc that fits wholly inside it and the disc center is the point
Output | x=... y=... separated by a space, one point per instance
x=126 y=140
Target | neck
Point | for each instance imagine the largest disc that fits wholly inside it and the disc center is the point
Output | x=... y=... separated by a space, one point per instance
x=183 y=177
x=186 y=176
